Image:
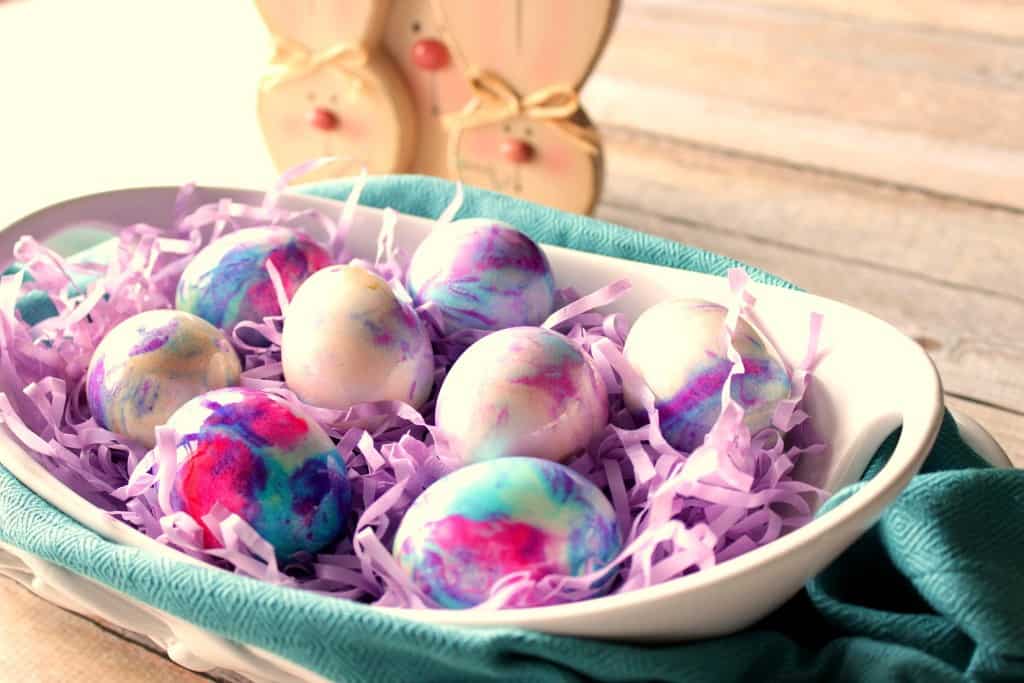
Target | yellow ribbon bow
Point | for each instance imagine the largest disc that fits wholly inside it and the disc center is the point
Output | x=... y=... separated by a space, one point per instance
x=293 y=60
x=494 y=101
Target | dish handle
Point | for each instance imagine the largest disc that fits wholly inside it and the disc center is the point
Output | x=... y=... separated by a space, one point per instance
x=980 y=440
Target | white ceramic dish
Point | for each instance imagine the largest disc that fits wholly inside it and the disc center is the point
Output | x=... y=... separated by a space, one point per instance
x=872 y=380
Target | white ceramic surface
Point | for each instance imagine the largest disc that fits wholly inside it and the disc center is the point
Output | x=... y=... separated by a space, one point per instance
x=872 y=380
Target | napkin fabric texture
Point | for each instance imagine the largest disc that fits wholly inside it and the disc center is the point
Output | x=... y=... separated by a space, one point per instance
x=930 y=593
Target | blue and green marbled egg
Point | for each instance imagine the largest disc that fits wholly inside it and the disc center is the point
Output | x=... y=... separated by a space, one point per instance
x=227 y=282
x=265 y=461
x=494 y=518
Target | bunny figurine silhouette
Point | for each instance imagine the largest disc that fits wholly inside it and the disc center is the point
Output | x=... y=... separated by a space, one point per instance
x=523 y=131
x=331 y=90
x=483 y=92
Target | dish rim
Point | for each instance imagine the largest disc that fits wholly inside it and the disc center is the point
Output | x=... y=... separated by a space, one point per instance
x=865 y=504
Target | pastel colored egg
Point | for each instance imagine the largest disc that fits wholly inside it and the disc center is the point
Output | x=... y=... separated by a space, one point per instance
x=494 y=518
x=678 y=347
x=265 y=461
x=524 y=391
x=348 y=339
x=482 y=274
x=228 y=282
x=152 y=363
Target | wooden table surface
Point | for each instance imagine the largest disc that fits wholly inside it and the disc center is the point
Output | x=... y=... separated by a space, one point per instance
x=872 y=152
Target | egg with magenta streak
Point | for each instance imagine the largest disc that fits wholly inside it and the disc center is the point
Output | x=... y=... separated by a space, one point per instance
x=495 y=518
x=482 y=274
x=228 y=282
x=267 y=462
x=678 y=348
x=348 y=339
x=524 y=391
x=150 y=364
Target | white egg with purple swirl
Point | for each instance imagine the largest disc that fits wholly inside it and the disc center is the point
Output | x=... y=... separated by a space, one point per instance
x=348 y=339
x=678 y=348
x=482 y=274
x=150 y=365
x=524 y=391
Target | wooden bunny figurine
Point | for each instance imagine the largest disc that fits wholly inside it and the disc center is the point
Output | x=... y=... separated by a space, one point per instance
x=331 y=90
x=418 y=44
x=523 y=132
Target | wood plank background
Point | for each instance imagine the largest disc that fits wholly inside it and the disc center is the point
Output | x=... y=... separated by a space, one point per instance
x=937 y=110
x=870 y=151
x=41 y=643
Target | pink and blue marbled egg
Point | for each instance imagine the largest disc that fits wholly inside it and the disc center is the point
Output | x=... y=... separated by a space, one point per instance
x=678 y=347
x=265 y=461
x=491 y=519
x=150 y=364
x=482 y=274
x=227 y=282
x=524 y=391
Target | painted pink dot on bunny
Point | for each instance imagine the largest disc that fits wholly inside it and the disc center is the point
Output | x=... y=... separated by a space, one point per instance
x=523 y=132
x=421 y=50
x=332 y=91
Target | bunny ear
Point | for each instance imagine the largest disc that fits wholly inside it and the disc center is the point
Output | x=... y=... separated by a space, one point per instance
x=320 y=24
x=562 y=40
x=480 y=32
x=531 y=43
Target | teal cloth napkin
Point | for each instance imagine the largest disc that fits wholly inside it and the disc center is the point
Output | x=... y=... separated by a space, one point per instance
x=83 y=245
x=930 y=593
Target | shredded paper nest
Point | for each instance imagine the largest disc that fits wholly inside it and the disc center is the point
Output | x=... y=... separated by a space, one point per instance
x=679 y=512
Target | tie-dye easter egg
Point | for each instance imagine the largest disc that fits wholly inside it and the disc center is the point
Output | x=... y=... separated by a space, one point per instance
x=524 y=391
x=482 y=274
x=678 y=347
x=348 y=339
x=227 y=282
x=150 y=364
x=267 y=462
x=494 y=518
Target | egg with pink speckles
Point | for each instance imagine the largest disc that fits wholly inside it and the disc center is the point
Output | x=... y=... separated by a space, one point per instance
x=348 y=339
x=228 y=282
x=266 y=461
x=482 y=274
x=678 y=348
x=524 y=391
x=147 y=366
x=495 y=518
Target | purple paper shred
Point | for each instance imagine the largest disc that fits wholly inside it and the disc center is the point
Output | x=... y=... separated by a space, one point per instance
x=680 y=512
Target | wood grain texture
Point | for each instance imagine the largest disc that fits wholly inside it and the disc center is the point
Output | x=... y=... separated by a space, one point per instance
x=970 y=363
x=674 y=190
x=938 y=112
x=871 y=151
x=986 y=18
x=957 y=243
x=42 y=643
